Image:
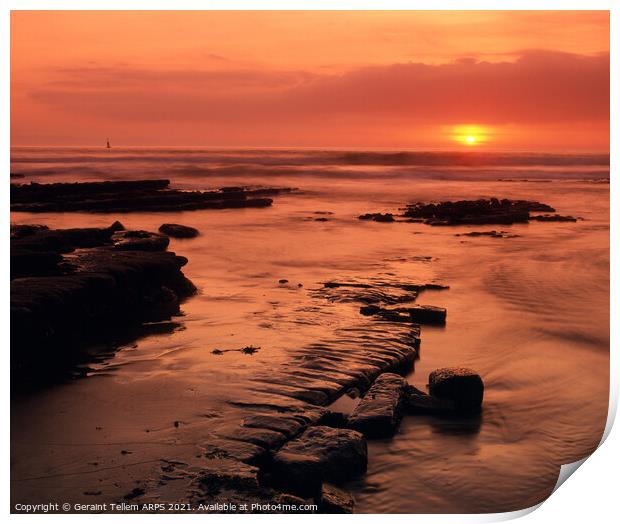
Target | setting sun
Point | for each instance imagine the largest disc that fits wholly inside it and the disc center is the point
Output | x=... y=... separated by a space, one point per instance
x=470 y=135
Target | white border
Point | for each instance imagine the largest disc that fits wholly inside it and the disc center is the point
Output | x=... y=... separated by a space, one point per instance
x=328 y=5
x=592 y=494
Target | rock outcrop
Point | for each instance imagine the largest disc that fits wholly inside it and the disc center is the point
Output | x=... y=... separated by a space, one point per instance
x=379 y=412
x=491 y=211
x=472 y=212
x=72 y=285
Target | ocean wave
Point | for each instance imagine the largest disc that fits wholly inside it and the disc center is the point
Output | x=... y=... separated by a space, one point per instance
x=304 y=157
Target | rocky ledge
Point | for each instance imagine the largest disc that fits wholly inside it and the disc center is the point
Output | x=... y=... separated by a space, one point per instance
x=72 y=286
x=473 y=212
x=135 y=195
x=306 y=422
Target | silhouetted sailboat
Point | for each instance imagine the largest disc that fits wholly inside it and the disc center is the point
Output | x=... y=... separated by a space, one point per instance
x=108 y=146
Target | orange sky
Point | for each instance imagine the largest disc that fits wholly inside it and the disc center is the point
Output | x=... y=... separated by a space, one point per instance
x=520 y=80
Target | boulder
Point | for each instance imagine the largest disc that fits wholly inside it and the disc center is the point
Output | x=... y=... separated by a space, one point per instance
x=461 y=385
x=139 y=241
x=320 y=454
x=335 y=500
x=178 y=231
x=380 y=411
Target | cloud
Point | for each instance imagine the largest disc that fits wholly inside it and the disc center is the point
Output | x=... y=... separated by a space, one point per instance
x=109 y=80
x=538 y=87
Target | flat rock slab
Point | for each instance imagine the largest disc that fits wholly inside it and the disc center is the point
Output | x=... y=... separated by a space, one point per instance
x=289 y=426
x=265 y=438
x=380 y=411
x=320 y=454
x=228 y=474
x=380 y=292
x=463 y=386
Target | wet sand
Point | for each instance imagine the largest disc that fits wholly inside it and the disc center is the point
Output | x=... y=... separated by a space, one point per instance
x=530 y=314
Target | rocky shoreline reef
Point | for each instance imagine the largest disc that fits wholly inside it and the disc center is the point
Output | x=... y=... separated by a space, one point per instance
x=473 y=212
x=133 y=195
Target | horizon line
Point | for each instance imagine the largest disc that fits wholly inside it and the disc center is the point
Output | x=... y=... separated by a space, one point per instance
x=473 y=149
